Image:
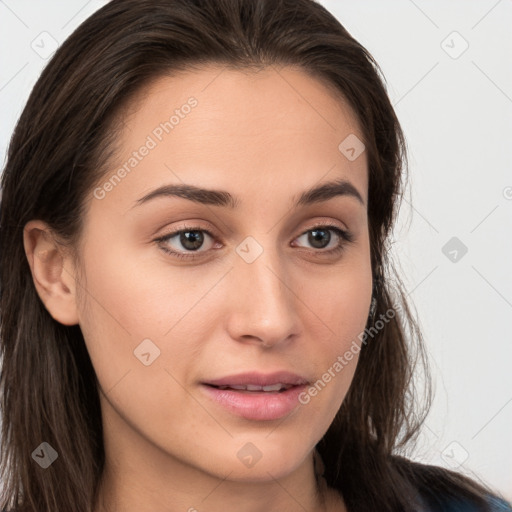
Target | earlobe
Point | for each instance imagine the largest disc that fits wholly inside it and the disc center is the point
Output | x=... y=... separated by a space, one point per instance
x=53 y=272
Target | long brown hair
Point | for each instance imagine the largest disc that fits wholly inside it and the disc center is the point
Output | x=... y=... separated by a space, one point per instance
x=61 y=147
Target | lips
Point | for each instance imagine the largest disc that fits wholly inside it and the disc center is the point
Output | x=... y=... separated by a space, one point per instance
x=257 y=396
x=258 y=380
x=251 y=387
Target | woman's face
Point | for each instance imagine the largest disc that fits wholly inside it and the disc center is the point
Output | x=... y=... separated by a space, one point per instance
x=267 y=291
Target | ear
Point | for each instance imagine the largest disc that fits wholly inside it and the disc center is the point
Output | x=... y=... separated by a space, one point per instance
x=53 y=272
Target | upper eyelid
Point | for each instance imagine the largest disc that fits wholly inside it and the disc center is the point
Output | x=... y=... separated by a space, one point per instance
x=328 y=225
x=211 y=233
x=195 y=225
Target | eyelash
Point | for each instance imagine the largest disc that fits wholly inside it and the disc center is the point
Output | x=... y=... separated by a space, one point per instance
x=345 y=236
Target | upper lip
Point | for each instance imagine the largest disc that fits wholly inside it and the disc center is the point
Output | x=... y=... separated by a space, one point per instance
x=259 y=379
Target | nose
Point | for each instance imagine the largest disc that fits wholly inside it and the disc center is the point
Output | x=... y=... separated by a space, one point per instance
x=264 y=302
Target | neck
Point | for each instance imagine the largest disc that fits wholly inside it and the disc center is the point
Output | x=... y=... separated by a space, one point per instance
x=144 y=487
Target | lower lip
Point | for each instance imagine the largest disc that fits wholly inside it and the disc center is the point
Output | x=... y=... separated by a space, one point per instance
x=254 y=405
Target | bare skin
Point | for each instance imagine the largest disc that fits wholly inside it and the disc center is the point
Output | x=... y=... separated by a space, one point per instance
x=264 y=137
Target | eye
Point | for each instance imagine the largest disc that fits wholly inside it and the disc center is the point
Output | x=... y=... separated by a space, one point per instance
x=319 y=237
x=192 y=239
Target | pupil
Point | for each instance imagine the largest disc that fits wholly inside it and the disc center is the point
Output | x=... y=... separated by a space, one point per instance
x=316 y=237
x=196 y=237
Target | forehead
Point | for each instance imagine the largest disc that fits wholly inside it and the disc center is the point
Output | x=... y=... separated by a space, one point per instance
x=223 y=128
x=287 y=96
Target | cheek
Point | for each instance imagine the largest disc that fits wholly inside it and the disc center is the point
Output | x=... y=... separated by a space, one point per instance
x=340 y=302
x=142 y=340
x=340 y=310
x=134 y=306
x=127 y=291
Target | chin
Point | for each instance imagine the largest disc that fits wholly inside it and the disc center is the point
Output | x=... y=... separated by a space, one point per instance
x=263 y=460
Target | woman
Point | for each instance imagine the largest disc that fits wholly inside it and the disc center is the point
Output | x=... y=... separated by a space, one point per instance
x=196 y=306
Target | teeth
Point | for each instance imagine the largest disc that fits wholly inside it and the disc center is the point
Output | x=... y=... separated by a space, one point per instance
x=253 y=387
x=274 y=387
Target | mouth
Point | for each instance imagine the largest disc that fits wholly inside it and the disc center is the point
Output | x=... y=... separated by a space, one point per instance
x=252 y=388
x=256 y=396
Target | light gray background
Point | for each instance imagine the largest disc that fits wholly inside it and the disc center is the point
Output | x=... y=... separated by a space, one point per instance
x=456 y=109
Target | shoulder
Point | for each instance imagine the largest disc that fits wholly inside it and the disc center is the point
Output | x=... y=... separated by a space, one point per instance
x=443 y=490
x=499 y=505
x=450 y=504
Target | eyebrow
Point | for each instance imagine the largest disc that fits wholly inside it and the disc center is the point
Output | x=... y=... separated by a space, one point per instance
x=224 y=199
